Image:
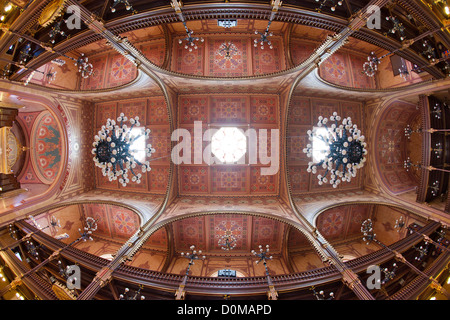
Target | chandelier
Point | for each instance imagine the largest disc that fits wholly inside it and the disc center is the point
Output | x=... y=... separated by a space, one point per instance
x=84 y=66
x=333 y=4
x=227 y=242
x=388 y=274
x=264 y=37
x=263 y=255
x=343 y=151
x=114 y=151
x=82 y=62
x=137 y=294
x=397 y=27
x=191 y=42
x=193 y=255
x=371 y=66
x=321 y=294
x=55 y=31
x=88 y=229
x=127 y=5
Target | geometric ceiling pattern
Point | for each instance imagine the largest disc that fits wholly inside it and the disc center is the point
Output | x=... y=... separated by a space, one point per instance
x=113 y=222
x=249 y=113
x=391 y=146
x=343 y=222
x=230 y=54
x=249 y=231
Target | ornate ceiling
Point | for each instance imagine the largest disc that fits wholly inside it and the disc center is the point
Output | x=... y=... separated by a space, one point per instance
x=314 y=69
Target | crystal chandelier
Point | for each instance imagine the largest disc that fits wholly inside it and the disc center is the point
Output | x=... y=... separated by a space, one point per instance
x=344 y=151
x=115 y=154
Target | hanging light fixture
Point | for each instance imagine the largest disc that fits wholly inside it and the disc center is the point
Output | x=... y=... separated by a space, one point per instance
x=437 y=150
x=263 y=256
x=399 y=223
x=264 y=37
x=422 y=250
x=88 y=229
x=321 y=295
x=371 y=66
x=343 y=153
x=367 y=231
x=126 y=3
x=435 y=188
x=227 y=242
x=193 y=255
x=191 y=41
x=388 y=274
x=397 y=27
x=55 y=31
x=126 y=296
x=84 y=66
x=115 y=153
x=332 y=3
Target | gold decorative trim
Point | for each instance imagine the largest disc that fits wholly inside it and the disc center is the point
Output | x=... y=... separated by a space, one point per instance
x=52 y=11
x=62 y=292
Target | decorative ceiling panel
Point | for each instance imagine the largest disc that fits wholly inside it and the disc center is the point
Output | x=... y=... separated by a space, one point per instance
x=390 y=143
x=244 y=111
x=343 y=222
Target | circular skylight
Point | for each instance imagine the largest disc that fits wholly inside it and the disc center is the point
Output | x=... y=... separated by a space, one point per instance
x=229 y=144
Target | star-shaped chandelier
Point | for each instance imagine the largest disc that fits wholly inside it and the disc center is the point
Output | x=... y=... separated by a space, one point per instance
x=342 y=151
x=115 y=152
x=227 y=242
x=191 y=41
x=264 y=36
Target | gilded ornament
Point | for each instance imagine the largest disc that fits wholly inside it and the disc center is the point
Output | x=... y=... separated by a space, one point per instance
x=52 y=11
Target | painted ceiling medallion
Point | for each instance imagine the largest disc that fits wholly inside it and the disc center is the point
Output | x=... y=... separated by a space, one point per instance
x=51 y=12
